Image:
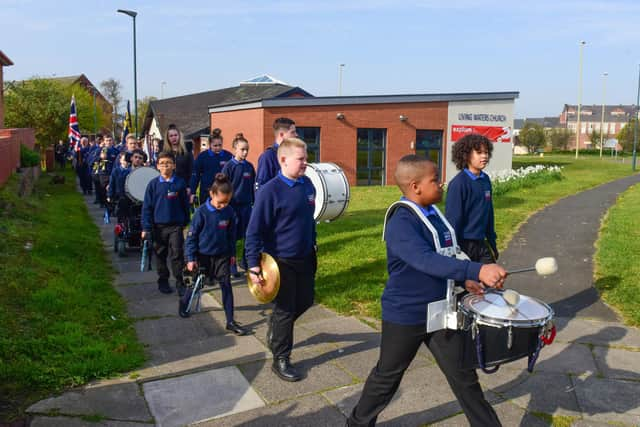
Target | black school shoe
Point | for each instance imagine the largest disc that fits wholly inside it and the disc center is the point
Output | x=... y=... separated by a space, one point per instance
x=164 y=288
x=234 y=327
x=181 y=289
x=284 y=370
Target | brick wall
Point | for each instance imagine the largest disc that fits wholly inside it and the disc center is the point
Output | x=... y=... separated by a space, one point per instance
x=250 y=123
x=10 y=140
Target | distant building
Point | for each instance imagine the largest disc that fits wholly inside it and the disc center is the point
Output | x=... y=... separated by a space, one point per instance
x=4 y=62
x=189 y=112
x=615 y=118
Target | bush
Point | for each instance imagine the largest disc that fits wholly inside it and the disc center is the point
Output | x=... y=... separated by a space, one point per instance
x=28 y=158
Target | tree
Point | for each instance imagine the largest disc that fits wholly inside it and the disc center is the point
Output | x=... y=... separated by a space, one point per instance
x=625 y=136
x=595 y=138
x=143 y=107
x=532 y=136
x=559 y=138
x=111 y=89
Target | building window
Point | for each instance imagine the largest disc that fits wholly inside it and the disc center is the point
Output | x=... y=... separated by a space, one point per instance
x=311 y=136
x=429 y=145
x=371 y=156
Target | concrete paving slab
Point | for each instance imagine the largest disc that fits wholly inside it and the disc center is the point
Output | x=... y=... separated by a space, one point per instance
x=509 y=414
x=597 y=332
x=618 y=364
x=246 y=311
x=423 y=397
x=213 y=352
x=315 y=313
x=318 y=373
x=144 y=291
x=503 y=380
x=308 y=411
x=200 y=396
x=119 y=401
x=136 y=277
x=550 y=393
x=586 y=422
x=166 y=330
x=608 y=400
x=160 y=305
x=79 y=422
x=129 y=264
x=342 y=331
x=561 y=358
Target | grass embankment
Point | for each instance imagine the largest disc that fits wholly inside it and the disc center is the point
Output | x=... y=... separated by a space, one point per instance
x=352 y=265
x=617 y=267
x=61 y=322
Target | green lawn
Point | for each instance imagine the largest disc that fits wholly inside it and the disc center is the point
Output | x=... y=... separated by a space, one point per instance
x=63 y=323
x=352 y=264
x=617 y=268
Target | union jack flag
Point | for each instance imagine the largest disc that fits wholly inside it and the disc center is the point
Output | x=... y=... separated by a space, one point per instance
x=74 y=129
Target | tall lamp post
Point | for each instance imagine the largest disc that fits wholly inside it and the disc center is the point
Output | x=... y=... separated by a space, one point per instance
x=582 y=43
x=95 y=113
x=340 y=68
x=635 y=129
x=133 y=14
x=162 y=85
x=604 y=95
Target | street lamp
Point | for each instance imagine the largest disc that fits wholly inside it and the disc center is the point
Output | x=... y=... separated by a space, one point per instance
x=604 y=94
x=133 y=14
x=635 y=129
x=340 y=68
x=582 y=43
x=95 y=113
x=162 y=85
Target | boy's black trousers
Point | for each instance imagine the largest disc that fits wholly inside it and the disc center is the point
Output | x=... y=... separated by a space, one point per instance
x=168 y=242
x=297 y=284
x=397 y=349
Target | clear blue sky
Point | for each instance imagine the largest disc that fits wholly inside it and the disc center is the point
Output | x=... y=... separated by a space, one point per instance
x=403 y=46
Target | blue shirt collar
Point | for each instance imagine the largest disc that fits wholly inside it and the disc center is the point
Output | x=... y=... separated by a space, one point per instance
x=237 y=162
x=276 y=145
x=167 y=180
x=473 y=176
x=210 y=208
x=426 y=210
x=288 y=181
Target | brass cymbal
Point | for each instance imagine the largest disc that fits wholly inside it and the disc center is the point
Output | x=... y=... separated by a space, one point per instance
x=266 y=293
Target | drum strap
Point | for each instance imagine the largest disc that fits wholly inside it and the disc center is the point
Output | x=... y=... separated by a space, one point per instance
x=440 y=314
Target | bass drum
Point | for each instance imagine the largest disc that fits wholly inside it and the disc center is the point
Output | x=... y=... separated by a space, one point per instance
x=332 y=190
x=136 y=183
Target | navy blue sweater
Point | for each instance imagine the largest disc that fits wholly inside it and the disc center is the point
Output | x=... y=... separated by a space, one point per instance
x=243 y=178
x=205 y=168
x=469 y=207
x=165 y=202
x=211 y=232
x=268 y=166
x=417 y=274
x=282 y=223
x=117 y=180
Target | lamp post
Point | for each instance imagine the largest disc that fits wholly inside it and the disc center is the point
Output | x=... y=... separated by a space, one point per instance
x=604 y=94
x=582 y=43
x=95 y=113
x=340 y=68
x=133 y=14
x=635 y=128
x=162 y=85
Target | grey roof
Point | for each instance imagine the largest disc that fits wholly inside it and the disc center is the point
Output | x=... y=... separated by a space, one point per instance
x=612 y=113
x=545 y=122
x=362 y=100
x=189 y=112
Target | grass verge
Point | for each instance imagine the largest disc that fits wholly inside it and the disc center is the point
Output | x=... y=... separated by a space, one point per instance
x=63 y=324
x=352 y=265
x=617 y=270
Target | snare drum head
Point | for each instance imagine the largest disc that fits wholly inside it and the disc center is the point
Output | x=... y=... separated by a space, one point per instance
x=136 y=183
x=332 y=190
x=316 y=177
x=492 y=308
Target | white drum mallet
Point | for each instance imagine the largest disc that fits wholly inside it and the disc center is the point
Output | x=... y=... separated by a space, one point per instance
x=544 y=267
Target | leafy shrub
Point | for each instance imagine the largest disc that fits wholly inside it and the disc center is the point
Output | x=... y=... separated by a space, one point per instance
x=28 y=158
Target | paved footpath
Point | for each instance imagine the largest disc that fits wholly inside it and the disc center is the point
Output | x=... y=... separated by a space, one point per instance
x=197 y=374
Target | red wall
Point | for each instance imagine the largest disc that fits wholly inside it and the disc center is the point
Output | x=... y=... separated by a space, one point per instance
x=250 y=123
x=10 y=140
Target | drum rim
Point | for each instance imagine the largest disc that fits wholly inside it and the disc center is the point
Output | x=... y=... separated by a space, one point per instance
x=493 y=321
x=326 y=193
x=323 y=209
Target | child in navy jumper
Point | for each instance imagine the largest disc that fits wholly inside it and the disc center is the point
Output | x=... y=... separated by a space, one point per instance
x=208 y=164
x=243 y=178
x=469 y=206
x=282 y=225
x=165 y=211
x=418 y=275
x=268 y=162
x=211 y=245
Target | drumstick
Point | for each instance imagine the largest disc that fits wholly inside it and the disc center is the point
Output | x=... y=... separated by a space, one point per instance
x=544 y=267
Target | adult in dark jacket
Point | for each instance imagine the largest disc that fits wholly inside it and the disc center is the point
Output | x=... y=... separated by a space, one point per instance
x=174 y=145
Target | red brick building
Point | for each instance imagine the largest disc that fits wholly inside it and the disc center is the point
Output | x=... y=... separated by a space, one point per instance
x=367 y=135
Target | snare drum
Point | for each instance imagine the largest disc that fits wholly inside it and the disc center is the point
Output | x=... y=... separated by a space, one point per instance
x=136 y=183
x=496 y=333
x=332 y=190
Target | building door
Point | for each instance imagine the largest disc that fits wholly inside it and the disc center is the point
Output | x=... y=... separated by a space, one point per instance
x=371 y=151
x=429 y=145
x=311 y=136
